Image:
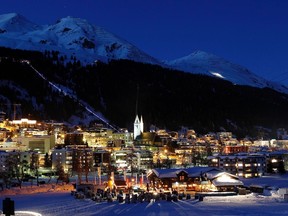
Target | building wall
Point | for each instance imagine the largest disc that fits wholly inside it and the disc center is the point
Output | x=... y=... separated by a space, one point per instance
x=43 y=143
x=64 y=157
x=244 y=166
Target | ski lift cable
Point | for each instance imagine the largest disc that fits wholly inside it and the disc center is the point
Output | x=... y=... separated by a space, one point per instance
x=65 y=93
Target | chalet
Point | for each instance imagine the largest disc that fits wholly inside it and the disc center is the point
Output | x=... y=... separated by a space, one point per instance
x=195 y=178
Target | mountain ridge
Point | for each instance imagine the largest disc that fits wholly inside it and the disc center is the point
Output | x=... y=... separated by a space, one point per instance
x=90 y=43
x=210 y=64
x=73 y=36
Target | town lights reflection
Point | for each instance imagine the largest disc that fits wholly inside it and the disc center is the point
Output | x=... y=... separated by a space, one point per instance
x=27 y=213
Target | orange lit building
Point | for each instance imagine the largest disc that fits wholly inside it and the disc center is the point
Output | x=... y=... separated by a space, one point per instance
x=234 y=149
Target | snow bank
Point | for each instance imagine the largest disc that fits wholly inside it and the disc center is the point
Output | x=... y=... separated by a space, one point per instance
x=36 y=189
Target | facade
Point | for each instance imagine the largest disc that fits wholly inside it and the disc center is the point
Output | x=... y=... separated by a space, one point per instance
x=235 y=149
x=4 y=134
x=3 y=157
x=41 y=144
x=22 y=159
x=74 y=139
x=246 y=166
x=98 y=137
x=73 y=160
x=64 y=157
x=125 y=159
x=277 y=162
x=145 y=159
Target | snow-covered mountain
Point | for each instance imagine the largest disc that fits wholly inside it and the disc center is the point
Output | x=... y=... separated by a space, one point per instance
x=70 y=36
x=212 y=65
x=76 y=37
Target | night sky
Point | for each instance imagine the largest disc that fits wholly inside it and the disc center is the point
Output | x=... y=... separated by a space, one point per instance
x=252 y=33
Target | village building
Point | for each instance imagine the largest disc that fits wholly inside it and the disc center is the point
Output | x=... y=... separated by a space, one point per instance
x=244 y=165
x=194 y=178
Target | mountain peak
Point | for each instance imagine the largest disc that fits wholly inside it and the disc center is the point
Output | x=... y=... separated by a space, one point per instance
x=13 y=22
x=69 y=36
x=201 y=62
x=202 y=55
x=70 y=19
x=8 y=16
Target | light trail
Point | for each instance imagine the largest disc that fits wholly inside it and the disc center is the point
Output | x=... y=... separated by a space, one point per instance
x=71 y=96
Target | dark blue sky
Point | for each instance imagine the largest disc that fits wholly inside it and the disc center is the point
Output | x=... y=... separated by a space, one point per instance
x=252 y=33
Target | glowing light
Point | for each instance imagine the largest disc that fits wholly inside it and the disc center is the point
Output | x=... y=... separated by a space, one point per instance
x=274 y=161
x=217 y=75
x=240 y=164
x=22 y=121
x=28 y=213
x=248 y=175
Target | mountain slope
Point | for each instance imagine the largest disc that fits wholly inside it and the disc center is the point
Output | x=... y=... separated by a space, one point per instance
x=212 y=65
x=16 y=23
x=70 y=36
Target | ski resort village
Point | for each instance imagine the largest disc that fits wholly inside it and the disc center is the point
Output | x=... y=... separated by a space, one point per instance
x=157 y=160
x=107 y=166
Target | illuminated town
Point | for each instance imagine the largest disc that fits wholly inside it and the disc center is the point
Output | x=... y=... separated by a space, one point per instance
x=31 y=150
x=177 y=108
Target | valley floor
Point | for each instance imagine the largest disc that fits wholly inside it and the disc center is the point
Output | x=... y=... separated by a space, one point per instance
x=58 y=201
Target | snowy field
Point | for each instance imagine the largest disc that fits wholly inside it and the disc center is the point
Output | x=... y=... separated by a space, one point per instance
x=62 y=203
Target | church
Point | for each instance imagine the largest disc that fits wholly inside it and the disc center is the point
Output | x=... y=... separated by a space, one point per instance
x=138 y=127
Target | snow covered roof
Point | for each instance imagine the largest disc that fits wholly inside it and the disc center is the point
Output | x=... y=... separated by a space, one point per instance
x=167 y=173
x=228 y=182
x=198 y=171
x=192 y=172
x=215 y=174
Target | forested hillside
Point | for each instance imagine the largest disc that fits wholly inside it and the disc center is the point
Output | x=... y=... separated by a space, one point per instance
x=168 y=99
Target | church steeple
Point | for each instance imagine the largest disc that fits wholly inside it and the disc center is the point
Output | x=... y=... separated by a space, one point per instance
x=138 y=126
x=141 y=125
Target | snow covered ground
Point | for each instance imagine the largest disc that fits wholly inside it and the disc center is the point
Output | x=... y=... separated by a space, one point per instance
x=60 y=202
